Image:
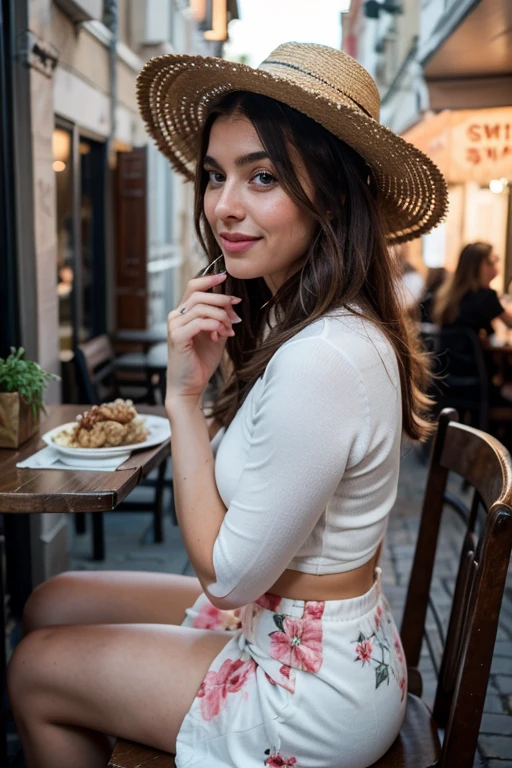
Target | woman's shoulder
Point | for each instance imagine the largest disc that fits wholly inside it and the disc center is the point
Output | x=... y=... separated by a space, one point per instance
x=481 y=294
x=485 y=299
x=340 y=338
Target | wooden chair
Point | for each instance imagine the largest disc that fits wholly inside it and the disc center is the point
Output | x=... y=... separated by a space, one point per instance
x=466 y=659
x=97 y=375
x=101 y=374
x=127 y=754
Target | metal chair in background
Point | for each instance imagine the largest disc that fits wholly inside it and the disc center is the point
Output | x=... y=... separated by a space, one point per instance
x=97 y=371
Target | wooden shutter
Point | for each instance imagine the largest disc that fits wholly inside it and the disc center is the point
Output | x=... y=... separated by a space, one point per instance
x=131 y=239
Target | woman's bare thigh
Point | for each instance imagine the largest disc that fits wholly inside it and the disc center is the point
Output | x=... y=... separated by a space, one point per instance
x=130 y=681
x=111 y=597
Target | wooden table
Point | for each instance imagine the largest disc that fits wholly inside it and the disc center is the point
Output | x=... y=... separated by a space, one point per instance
x=499 y=361
x=27 y=491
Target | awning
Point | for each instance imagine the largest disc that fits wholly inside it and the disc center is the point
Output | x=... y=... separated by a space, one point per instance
x=470 y=65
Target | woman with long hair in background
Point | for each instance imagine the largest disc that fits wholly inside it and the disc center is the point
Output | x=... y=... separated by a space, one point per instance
x=466 y=297
x=283 y=651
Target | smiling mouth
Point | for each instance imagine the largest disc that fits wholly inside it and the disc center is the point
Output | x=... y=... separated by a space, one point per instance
x=239 y=244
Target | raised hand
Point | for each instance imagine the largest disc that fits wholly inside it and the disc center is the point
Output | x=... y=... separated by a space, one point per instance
x=197 y=331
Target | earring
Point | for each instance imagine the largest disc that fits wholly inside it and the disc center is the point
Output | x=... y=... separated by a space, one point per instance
x=210 y=265
x=300 y=291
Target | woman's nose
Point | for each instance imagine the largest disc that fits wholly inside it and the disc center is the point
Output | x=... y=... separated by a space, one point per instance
x=229 y=204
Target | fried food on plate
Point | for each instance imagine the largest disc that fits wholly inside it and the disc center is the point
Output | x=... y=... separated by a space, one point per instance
x=105 y=426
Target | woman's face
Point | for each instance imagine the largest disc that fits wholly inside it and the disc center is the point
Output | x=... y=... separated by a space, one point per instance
x=261 y=231
x=488 y=269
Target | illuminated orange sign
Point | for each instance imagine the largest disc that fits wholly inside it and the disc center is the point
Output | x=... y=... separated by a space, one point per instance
x=468 y=145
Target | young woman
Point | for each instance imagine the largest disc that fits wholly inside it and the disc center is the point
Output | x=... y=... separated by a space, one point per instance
x=288 y=654
x=465 y=298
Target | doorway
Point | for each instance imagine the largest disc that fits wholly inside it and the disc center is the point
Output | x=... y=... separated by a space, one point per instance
x=79 y=165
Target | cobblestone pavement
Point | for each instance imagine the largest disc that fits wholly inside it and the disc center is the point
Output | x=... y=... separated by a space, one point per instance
x=128 y=544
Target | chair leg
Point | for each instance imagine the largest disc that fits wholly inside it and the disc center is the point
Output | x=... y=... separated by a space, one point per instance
x=98 y=536
x=79 y=523
x=158 y=514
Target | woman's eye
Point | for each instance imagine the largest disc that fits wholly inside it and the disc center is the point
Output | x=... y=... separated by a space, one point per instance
x=215 y=177
x=266 y=179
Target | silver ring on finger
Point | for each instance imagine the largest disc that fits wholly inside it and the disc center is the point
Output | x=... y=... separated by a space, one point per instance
x=183 y=310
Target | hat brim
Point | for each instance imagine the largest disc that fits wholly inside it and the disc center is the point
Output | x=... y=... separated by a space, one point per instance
x=175 y=91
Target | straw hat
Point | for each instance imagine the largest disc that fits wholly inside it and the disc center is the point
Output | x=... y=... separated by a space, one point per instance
x=175 y=91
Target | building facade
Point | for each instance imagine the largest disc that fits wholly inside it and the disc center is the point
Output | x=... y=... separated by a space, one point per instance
x=444 y=71
x=98 y=230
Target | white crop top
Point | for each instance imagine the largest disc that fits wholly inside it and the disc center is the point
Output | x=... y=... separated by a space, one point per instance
x=308 y=468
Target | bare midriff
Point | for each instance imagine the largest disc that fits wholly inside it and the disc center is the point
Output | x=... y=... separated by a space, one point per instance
x=331 y=586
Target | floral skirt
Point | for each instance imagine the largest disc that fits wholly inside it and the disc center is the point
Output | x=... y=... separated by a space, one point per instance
x=309 y=684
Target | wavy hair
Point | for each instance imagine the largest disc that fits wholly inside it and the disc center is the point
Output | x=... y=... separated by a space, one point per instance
x=347 y=264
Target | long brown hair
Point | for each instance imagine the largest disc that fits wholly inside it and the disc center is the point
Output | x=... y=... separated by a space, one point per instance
x=465 y=279
x=347 y=261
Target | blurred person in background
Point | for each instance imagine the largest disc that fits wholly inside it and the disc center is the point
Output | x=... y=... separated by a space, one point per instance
x=410 y=286
x=436 y=277
x=466 y=298
x=283 y=649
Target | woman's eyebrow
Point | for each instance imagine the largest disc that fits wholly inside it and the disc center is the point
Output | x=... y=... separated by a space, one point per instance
x=210 y=161
x=252 y=157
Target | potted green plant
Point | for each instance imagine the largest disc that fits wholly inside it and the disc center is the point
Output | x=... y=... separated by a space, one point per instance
x=22 y=384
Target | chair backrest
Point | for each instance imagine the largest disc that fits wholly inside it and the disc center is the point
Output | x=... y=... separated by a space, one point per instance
x=458 y=363
x=96 y=373
x=486 y=466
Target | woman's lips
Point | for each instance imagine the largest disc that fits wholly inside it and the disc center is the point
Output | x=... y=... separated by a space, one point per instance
x=236 y=246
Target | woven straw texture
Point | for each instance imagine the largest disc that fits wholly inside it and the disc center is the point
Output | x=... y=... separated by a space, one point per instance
x=174 y=92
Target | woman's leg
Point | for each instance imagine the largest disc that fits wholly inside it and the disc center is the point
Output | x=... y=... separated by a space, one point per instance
x=110 y=597
x=69 y=685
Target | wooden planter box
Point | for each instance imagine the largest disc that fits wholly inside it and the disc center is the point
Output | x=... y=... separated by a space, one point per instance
x=17 y=421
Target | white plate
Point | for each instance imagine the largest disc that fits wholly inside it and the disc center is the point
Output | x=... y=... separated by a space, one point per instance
x=159 y=430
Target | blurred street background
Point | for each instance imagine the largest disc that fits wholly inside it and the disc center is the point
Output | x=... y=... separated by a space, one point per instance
x=97 y=237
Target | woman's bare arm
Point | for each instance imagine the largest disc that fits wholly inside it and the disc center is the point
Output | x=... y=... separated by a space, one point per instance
x=197 y=333
x=506 y=317
x=199 y=508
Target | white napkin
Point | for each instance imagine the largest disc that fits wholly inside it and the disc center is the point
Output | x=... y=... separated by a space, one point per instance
x=50 y=458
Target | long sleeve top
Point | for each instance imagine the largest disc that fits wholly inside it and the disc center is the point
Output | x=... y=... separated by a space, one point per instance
x=308 y=468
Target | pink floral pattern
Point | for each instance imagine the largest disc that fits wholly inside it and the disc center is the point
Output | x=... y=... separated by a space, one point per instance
x=298 y=643
x=364 y=651
x=210 y=617
x=278 y=761
x=381 y=649
x=398 y=647
x=230 y=678
x=269 y=601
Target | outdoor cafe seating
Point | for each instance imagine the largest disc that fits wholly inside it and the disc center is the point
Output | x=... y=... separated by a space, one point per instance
x=97 y=372
x=461 y=378
x=464 y=664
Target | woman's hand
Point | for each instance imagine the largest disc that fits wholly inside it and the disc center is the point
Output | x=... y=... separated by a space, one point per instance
x=196 y=338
